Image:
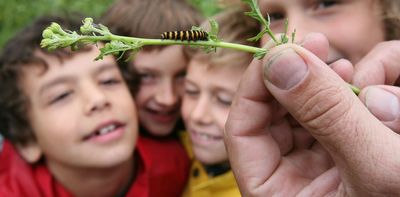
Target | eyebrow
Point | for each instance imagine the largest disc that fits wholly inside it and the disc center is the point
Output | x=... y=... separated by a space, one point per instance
x=147 y=69
x=51 y=83
x=105 y=67
x=64 y=79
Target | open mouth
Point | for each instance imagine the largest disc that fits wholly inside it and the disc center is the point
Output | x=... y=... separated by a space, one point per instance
x=202 y=138
x=104 y=130
x=205 y=136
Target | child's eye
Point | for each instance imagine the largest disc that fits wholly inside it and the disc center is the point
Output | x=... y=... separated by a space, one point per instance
x=110 y=82
x=180 y=75
x=191 y=92
x=224 y=100
x=323 y=4
x=147 y=77
x=60 y=97
x=275 y=16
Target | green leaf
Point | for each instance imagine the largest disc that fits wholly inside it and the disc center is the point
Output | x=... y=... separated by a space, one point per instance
x=115 y=47
x=258 y=36
x=104 y=29
x=260 y=54
x=213 y=34
x=284 y=37
x=255 y=12
x=293 y=35
x=197 y=28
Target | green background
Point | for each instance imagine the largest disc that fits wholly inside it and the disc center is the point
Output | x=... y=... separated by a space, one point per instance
x=15 y=14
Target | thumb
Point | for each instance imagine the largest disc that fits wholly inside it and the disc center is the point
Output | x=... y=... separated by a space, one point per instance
x=325 y=105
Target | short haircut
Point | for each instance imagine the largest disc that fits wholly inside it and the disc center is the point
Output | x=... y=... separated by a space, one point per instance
x=234 y=27
x=19 y=53
x=150 y=18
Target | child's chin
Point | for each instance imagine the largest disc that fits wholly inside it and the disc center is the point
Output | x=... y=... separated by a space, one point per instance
x=117 y=158
x=206 y=158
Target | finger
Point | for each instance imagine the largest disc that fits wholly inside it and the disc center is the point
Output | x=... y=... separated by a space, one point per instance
x=380 y=66
x=383 y=102
x=324 y=185
x=343 y=68
x=324 y=104
x=282 y=134
x=252 y=151
x=317 y=44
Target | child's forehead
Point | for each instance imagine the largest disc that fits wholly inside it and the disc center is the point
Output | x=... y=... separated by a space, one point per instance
x=64 y=61
x=207 y=68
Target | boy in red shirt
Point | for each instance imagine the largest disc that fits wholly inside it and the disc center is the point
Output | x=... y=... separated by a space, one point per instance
x=74 y=124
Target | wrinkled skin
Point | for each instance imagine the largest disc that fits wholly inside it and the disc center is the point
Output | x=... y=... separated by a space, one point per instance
x=306 y=133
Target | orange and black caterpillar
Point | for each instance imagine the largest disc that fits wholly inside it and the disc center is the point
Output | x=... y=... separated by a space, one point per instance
x=191 y=35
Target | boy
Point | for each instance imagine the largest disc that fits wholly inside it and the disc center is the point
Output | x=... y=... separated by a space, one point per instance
x=206 y=106
x=161 y=68
x=74 y=123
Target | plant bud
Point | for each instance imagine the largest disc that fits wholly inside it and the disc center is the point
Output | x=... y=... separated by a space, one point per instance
x=56 y=28
x=86 y=28
x=47 y=33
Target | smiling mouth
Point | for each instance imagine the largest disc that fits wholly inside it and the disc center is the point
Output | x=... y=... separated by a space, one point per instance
x=166 y=113
x=104 y=130
x=162 y=117
x=205 y=136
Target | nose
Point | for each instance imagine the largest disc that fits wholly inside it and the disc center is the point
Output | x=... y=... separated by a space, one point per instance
x=299 y=24
x=95 y=99
x=167 y=94
x=201 y=112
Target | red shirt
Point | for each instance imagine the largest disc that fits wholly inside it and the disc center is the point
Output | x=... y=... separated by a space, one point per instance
x=163 y=171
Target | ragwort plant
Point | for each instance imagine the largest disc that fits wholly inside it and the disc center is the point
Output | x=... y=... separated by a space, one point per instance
x=55 y=37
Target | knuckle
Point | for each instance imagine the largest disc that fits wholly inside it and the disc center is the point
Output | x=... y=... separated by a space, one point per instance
x=323 y=111
x=388 y=48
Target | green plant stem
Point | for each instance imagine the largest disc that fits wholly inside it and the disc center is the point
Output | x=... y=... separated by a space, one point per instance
x=228 y=45
x=355 y=89
x=146 y=41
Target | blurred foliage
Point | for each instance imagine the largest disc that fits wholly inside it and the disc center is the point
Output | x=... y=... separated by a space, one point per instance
x=207 y=7
x=15 y=14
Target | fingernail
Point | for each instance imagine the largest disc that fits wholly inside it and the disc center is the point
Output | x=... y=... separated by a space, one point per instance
x=286 y=69
x=383 y=104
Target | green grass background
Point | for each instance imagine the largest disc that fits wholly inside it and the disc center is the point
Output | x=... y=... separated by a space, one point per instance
x=15 y=14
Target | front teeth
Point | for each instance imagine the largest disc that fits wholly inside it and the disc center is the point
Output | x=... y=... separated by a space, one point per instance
x=106 y=129
x=204 y=136
x=207 y=136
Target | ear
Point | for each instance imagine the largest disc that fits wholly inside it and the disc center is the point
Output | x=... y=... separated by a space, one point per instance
x=30 y=152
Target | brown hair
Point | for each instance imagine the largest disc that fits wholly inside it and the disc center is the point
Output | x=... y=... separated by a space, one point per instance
x=234 y=27
x=19 y=53
x=391 y=18
x=150 y=18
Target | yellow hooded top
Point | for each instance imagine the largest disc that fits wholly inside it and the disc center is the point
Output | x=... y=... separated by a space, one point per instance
x=200 y=184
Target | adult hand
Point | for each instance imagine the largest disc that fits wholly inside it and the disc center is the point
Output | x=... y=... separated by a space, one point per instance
x=271 y=154
x=381 y=67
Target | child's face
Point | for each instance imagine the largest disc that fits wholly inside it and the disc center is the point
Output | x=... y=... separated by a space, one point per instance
x=209 y=92
x=352 y=27
x=81 y=111
x=159 y=97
